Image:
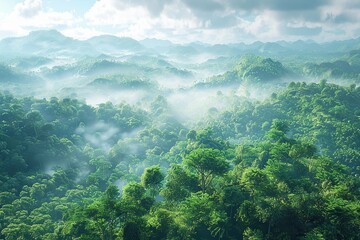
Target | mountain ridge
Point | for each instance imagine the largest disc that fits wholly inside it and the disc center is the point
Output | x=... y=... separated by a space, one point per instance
x=54 y=43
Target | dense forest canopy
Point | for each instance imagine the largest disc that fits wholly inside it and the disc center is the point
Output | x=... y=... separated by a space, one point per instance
x=111 y=138
x=286 y=167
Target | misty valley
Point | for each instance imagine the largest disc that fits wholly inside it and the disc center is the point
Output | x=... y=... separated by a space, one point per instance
x=113 y=138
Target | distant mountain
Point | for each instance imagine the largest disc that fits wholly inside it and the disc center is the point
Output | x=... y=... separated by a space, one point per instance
x=49 y=43
x=156 y=43
x=149 y=61
x=273 y=48
x=258 y=69
x=223 y=50
x=112 y=67
x=122 y=82
x=99 y=67
x=183 y=50
x=353 y=58
x=167 y=48
x=249 y=70
x=297 y=50
x=347 y=68
x=160 y=66
x=50 y=55
x=9 y=75
x=300 y=49
x=342 y=46
x=310 y=48
x=219 y=65
x=28 y=63
x=301 y=46
x=129 y=68
x=111 y=45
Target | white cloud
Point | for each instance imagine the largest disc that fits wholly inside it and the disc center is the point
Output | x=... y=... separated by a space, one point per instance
x=213 y=21
x=182 y=20
x=133 y=21
x=137 y=21
x=28 y=8
x=103 y=13
x=30 y=15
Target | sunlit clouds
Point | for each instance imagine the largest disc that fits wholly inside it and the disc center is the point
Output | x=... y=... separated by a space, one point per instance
x=211 y=21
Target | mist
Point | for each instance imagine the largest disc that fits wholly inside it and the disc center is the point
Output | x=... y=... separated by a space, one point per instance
x=179 y=119
x=198 y=82
x=98 y=134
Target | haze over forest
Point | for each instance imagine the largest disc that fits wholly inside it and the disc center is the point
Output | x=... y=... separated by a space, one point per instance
x=179 y=120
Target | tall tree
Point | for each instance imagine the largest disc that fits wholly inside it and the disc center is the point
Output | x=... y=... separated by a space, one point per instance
x=207 y=163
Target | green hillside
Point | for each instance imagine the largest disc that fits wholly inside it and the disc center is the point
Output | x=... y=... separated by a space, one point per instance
x=250 y=70
x=346 y=68
x=283 y=168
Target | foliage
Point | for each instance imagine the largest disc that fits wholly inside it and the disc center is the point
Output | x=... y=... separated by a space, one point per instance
x=283 y=168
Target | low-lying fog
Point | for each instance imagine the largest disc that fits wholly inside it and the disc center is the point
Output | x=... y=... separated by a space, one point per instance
x=194 y=88
x=187 y=102
x=137 y=80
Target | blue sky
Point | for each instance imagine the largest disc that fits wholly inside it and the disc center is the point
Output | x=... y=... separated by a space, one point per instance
x=78 y=6
x=212 y=21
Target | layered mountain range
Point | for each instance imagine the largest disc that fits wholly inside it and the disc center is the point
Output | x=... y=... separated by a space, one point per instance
x=69 y=66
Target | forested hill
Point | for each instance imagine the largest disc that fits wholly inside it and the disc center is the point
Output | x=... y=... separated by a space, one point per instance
x=283 y=168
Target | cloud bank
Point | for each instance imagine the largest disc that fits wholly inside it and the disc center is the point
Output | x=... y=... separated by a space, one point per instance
x=214 y=21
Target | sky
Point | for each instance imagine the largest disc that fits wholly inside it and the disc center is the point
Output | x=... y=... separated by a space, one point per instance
x=181 y=21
